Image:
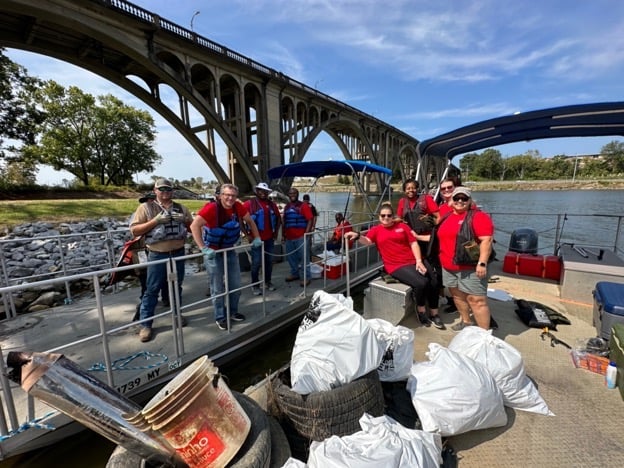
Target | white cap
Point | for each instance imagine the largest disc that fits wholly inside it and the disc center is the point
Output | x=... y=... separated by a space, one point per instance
x=263 y=186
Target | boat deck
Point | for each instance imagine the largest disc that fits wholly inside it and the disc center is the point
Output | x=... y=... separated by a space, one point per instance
x=139 y=369
x=588 y=426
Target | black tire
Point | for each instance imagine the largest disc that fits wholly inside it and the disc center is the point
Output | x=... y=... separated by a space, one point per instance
x=254 y=453
x=122 y=458
x=320 y=415
x=256 y=450
x=280 y=449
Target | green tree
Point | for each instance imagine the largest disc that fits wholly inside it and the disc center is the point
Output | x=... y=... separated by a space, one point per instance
x=102 y=140
x=19 y=118
x=613 y=154
x=488 y=165
x=521 y=167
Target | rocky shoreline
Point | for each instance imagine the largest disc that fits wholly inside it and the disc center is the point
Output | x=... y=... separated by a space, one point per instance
x=40 y=251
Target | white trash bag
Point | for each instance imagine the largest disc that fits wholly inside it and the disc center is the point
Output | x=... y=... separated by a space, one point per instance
x=398 y=356
x=453 y=394
x=334 y=346
x=382 y=442
x=294 y=463
x=505 y=364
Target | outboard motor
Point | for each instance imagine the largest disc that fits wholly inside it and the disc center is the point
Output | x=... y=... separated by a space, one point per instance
x=523 y=240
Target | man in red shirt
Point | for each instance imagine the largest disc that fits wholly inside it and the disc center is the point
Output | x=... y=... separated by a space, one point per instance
x=298 y=220
x=266 y=215
x=342 y=227
x=217 y=228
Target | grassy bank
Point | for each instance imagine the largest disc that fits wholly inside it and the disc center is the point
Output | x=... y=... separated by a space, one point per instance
x=57 y=211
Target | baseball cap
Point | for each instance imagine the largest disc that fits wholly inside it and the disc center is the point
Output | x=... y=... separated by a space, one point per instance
x=163 y=183
x=147 y=196
x=463 y=190
x=263 y=186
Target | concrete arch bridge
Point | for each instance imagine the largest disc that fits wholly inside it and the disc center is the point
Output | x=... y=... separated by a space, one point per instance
x=264 y=117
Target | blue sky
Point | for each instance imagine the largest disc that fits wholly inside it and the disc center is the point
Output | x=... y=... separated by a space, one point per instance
x=425 y=67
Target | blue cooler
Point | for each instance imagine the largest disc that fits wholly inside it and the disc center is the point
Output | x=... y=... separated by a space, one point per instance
x=608 y=307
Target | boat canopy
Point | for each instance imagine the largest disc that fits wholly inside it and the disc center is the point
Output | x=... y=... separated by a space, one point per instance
x=598 y=119
x=355 y=169
x=325 y=168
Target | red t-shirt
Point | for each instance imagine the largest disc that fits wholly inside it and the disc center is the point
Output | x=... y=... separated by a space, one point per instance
x=210 y=214
x=394 y=245
x=250 y=206
x=445 y=208
x=482 y=225
x=430 y=205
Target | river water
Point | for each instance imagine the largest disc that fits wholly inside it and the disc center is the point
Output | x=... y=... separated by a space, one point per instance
x=510 y=210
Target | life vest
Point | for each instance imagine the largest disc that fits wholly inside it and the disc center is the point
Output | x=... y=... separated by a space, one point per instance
x=464 y=237
x=227 y=231
x=293 y=217
x=258 y=214
x=413 y=217
x=173 y=230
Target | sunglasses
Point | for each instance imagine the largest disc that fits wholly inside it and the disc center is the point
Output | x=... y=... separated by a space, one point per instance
x=386 y=215
x=461 y=199
x=444 y=189
x=165 y=189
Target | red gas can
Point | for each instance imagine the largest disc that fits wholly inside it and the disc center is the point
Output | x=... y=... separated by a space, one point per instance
x=510 y=263
x=531 y=265
x=552 y=267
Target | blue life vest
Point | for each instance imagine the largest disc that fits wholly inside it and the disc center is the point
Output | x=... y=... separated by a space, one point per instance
x=258 y=214
x=170 y=231
x=293 y=217
x=226 y=233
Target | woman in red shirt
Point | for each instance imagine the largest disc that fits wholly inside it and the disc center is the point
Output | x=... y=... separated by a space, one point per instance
x=403 y=260
x=466 y=279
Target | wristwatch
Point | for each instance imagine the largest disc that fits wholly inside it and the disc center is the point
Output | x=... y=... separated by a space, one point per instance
x=483 y=264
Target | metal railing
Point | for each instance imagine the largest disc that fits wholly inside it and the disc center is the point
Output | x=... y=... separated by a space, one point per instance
x=597 y=230
x=359 y=260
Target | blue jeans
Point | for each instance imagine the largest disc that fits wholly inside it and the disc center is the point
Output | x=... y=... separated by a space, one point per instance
x=157 y=280
x=256 y=261
x=216 y=270
x=294 y=254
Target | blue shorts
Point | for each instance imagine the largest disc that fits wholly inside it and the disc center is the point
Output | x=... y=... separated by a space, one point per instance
x=466 y=281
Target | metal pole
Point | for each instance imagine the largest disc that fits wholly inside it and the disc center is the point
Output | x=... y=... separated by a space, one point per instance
x=617 y=235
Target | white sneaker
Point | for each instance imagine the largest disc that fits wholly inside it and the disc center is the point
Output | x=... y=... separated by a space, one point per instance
x=256 y=291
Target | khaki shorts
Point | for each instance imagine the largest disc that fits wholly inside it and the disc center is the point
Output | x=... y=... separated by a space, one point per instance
x=466 y=281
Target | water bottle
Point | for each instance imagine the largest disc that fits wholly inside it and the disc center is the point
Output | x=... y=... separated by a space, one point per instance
x=611 y=375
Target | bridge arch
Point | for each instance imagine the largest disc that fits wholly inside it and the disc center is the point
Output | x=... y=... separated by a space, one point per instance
x=263 y=117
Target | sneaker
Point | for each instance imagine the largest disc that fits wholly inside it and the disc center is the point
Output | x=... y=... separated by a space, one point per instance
x=270 y=286
x=493 y=324
x=222 y=324
x=422 y=317
x=290 y=278
x=183 y=319
x=460 y=326
x=305 y=283
x=256 y=291
x=145 y=334
x=437 y=322
x=237 y=317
